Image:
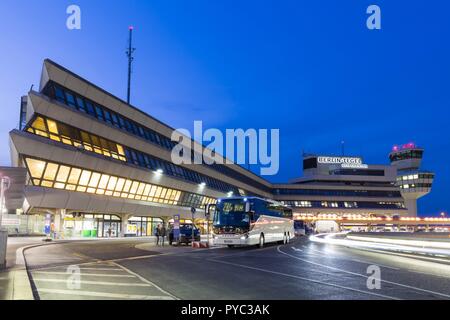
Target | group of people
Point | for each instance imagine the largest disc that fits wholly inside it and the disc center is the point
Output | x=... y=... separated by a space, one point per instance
x=160 y=234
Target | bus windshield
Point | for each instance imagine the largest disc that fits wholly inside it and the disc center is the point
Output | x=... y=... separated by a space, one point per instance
x=231 y=213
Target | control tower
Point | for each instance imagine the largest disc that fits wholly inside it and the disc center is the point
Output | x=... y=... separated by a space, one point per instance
x=412 y=181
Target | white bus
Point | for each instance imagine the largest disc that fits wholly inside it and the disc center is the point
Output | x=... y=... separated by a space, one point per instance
x=241 y=221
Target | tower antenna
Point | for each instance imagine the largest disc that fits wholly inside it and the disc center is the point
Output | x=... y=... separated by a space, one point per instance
x=129 y=53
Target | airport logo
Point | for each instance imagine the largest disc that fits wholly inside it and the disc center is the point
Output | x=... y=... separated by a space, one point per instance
x=256 y=147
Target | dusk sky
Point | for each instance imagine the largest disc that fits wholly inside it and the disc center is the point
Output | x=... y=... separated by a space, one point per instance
x=310 y=68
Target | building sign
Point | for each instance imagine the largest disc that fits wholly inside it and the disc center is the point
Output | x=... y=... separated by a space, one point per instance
x=344 y=162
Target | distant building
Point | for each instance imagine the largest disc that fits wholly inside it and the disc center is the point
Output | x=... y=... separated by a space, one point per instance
x=97 y=166
x=412 y=181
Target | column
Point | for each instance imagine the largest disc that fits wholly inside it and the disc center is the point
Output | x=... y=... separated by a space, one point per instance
x=124 y=223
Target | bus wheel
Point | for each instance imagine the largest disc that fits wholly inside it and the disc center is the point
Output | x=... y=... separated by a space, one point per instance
x=230 y=246
x=261 y=241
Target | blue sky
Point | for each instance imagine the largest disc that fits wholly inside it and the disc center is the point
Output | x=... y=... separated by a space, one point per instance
x=310 y=68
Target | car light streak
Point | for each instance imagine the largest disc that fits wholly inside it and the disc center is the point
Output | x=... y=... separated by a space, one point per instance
x=330 y=238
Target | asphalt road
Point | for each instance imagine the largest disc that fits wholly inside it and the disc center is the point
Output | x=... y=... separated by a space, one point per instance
x=117 y=269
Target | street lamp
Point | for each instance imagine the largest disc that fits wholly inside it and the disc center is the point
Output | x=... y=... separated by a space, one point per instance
x=443 y=214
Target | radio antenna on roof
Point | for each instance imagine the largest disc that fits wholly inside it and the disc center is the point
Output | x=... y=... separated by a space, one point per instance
x=129 y=53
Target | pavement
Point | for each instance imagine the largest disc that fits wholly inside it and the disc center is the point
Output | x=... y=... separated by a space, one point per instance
x=14 y=282
x=134 y=268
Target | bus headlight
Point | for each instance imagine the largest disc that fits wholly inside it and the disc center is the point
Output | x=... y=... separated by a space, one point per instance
x=244 y=237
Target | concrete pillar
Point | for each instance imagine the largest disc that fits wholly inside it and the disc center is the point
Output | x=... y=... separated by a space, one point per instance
x=124 y=223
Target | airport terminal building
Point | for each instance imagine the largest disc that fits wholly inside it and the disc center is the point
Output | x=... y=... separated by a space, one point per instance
x=97 y=166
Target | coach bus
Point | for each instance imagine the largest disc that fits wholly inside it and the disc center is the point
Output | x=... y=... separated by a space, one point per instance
x=241 y=221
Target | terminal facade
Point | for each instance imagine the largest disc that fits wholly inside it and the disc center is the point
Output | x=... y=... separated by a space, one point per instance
x=97 y=166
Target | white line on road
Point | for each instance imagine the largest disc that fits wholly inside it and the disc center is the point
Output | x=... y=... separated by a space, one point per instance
x=296 y=249
x=146 y=281
x=86 y=274
x=104 y=294
x=101 y=269
x=363 y=275
x=96 y=282
x=306 y=279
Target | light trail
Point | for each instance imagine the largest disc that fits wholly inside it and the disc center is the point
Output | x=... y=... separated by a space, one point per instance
x=330 y=238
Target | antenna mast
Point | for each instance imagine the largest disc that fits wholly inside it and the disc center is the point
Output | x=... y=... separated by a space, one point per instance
x=129 y=53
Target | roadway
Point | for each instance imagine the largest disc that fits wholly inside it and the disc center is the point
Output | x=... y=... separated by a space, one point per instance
x=133 y=269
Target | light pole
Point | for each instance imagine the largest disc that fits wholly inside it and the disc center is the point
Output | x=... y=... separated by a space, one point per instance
x=443 y=214
x=193 y=213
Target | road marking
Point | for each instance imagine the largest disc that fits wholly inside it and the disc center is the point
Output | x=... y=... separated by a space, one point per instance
x=86 y=274
x=105 y=294
x=296 y=249
x=363 y=275
x=306 y=279
x=146 y=281
x=101 y=269
x=96 y=282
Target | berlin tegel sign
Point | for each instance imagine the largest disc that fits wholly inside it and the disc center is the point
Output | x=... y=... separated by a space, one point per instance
x=345 y=162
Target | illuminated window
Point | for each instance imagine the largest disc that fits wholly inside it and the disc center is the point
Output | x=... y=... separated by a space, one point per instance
x=147 y=189
x=52 y=175
x=74 y=175
x=152 y=192
x=95 y=178
x=112 y=183
x=50 y=171
x=120 y=184
x=47 y=184
x=140 y=189
x=103 y=181
x=52 y=127
x=158 y=192
x=36 y=167
x=134 y=187
x=120 y=150
x=127 y=186
x=84 y=179
x=63 y=173
x=39 y=124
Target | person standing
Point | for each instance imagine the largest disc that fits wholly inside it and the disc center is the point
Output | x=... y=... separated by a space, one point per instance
x=157 y=233
x=162 y=233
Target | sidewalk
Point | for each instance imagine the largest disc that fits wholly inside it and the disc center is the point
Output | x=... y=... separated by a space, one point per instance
x=14 y=282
